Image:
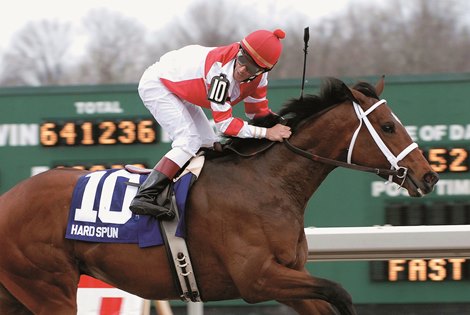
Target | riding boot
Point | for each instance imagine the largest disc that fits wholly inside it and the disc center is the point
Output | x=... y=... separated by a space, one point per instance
x=145 y=201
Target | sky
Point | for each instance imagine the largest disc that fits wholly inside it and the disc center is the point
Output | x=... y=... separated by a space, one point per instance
x=151 y=13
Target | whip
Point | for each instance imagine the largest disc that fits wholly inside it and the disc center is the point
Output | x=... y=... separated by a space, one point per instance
x=306 y=38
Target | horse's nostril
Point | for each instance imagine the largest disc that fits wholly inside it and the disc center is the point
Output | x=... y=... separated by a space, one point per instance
x=431 y=178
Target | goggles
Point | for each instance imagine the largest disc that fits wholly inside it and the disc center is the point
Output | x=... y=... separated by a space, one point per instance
x=245 y=60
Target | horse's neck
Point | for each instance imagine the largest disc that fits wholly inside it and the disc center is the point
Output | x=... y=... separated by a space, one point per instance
x=325 y=142
x=287 y=176
x=299 y=176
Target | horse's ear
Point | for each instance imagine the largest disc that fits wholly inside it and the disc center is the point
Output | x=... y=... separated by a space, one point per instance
x=379 y=86
x=358 y=96
x=349 y=93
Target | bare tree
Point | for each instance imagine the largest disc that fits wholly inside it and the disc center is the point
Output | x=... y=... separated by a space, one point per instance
x=395 y=37
x=37 y=55
x=421 y=36
x=207 y=24
x=115 y=51
x=203 y=23
x=431 y=37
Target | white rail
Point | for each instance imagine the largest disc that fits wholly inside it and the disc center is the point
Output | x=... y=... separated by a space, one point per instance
x=388 y=242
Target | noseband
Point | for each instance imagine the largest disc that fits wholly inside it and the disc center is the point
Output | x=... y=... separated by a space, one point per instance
x=395 y=169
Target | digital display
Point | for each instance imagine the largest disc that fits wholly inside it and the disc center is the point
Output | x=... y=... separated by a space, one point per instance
x=409 y=213
x=421 y=270
x=104 y=132
x=448 y=159
x=453 y=212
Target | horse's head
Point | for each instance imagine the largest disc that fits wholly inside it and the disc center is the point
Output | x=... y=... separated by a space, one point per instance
x=380 y=140
x=356 y=127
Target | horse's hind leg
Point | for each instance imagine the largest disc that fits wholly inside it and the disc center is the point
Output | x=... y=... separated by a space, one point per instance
x=9 y=305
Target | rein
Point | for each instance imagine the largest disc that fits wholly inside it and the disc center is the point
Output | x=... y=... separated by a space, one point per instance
x=317 y=158
x=395 y=170
x=246 y=155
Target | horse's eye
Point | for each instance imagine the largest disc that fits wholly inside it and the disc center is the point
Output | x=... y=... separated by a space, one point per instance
x=388 y=128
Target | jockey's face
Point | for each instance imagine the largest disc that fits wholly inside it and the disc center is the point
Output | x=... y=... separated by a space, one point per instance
x=241 y=73
x=246 y=68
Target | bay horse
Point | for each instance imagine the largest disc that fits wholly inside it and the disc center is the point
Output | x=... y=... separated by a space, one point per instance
x=245 y=216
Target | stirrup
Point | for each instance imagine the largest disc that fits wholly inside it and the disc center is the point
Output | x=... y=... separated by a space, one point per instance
x=147 y=208
x=163 y=214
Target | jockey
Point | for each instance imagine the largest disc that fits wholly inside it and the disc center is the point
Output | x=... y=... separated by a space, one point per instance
x=176 y=87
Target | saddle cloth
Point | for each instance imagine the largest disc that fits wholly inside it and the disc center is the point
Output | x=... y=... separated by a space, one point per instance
x=99 y=211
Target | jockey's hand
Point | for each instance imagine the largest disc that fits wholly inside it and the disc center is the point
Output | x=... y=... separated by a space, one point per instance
x=278 y=133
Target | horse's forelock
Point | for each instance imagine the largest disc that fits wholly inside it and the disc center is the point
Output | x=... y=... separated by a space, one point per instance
x=367 y=89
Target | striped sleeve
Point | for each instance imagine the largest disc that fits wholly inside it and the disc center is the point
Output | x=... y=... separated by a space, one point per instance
x=256 y=104
x=224 y=120
x=232 y=126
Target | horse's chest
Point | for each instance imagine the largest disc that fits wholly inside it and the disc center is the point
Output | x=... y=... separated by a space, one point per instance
x=291 y=254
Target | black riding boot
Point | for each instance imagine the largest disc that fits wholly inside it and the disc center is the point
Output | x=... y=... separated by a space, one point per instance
x=145 y=201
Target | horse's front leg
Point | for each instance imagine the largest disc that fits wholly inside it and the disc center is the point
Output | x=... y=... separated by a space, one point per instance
x=275 y=281
x=317 y=307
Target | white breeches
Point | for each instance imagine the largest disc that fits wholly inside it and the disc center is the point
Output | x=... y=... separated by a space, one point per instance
x=186 y=123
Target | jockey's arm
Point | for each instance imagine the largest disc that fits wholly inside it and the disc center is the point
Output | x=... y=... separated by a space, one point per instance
x=236 y=127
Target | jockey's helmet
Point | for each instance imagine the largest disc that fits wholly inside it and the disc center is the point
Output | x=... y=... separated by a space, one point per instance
x=264 y=47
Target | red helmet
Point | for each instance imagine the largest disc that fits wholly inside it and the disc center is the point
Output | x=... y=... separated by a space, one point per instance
x=264 y=47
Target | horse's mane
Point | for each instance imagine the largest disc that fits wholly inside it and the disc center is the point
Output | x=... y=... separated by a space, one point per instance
x=333 y=91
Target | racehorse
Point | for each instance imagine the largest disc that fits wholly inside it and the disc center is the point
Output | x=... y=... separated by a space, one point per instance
x=245 y=216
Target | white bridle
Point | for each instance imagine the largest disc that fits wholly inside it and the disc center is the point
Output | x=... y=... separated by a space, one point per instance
x=362 y=116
